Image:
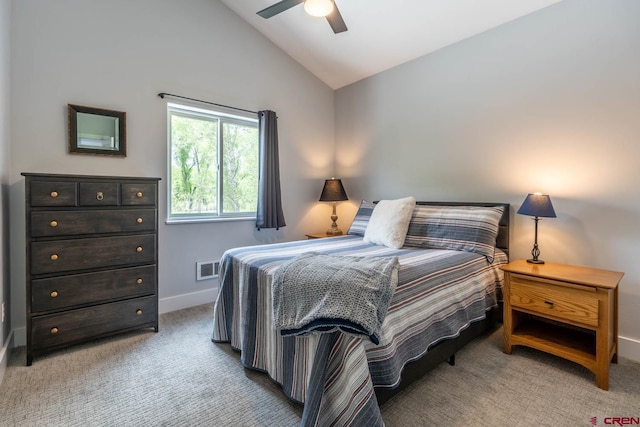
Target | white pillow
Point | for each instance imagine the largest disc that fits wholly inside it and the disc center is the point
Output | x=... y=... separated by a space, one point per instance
x=389 y=222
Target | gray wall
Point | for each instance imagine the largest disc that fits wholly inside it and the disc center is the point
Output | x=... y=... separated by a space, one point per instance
x=5 y=151
x=549 y=102
x=119 y=55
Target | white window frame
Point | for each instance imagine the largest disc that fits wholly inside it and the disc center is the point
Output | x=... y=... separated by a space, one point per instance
x=223 y=116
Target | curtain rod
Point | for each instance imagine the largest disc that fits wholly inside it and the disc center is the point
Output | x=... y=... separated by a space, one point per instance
x=163 y=94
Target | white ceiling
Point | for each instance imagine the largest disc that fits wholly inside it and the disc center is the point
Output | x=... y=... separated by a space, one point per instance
x=382 y=33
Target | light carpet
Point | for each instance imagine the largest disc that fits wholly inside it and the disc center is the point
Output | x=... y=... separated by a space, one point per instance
x=178 y=377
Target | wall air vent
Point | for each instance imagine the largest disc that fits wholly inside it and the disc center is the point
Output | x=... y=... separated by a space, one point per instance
x=207 y=270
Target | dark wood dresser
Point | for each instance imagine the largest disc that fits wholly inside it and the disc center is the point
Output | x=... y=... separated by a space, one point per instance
x=92 y=258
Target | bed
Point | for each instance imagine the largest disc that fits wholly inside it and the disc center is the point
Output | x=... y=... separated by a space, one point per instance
x=448 y=288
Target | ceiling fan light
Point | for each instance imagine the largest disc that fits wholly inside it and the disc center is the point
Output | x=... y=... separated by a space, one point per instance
x=319 y=8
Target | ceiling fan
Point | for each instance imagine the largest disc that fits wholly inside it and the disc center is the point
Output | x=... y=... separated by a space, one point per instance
x=326 y=8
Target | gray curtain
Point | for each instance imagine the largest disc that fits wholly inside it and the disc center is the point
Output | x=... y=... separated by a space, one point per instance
x=269 y=213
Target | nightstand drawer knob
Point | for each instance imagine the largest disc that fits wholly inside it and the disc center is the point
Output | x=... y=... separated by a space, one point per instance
x=139 y=280
x=139 y=220
x=139 y=312
x=54 y=330
x=139 y=194
x=53 y=223
x=54 y=294
x=54 y=194
x=139 y=249
x=54 y=257
x=99 y=195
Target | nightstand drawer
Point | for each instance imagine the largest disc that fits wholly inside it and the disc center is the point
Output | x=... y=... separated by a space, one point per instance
x=577 y=305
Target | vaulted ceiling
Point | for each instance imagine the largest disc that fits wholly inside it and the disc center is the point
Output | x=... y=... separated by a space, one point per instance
x=381 y=33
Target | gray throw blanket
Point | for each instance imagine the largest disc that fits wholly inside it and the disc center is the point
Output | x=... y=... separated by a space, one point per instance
x=319 y=293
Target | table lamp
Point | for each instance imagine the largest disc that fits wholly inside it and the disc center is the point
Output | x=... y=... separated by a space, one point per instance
x=333 y=191
x=537 y=205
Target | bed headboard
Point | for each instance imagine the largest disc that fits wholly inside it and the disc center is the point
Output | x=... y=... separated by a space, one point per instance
x=502 y=240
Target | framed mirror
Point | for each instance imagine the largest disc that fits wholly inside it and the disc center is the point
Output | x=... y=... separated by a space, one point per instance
x=97 y=131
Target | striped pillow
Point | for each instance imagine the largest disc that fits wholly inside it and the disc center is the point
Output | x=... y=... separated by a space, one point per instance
x=461 y=228
x=361 y=220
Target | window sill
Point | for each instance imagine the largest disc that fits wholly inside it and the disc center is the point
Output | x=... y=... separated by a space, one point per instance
x=205 y=220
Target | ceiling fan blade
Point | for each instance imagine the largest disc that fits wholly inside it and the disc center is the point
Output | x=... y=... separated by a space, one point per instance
x=336 y=21
x=279 y=7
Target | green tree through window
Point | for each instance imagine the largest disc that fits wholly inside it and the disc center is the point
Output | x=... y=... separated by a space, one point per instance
x=214 y=164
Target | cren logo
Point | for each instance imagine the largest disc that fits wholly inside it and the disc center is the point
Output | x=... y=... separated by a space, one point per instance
x=622 y=421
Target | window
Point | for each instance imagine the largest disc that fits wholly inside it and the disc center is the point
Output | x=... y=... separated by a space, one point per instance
x=213 y=164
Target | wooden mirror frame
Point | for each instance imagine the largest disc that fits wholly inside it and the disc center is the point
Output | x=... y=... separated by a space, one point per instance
x=118 y=148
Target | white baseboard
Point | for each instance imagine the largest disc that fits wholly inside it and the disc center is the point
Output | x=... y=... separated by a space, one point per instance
x=5 y=351
x=629 y=348
x=192 y=299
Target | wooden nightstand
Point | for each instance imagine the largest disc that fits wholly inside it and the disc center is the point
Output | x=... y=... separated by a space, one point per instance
x=568 y=311
x=318 y=235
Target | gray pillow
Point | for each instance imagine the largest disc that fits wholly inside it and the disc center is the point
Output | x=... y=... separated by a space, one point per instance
x=461 y=228
x=361 y=220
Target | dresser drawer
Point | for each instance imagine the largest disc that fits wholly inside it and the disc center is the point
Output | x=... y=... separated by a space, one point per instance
x=78 y=254
x=81 y=289
x=98 y=193
x=53 y=193
x=577 y=305
x=80 y=324
x=138 y=194
x=69 y=223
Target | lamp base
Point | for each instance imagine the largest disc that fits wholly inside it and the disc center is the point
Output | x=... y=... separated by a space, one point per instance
x=334 y=232
x=535 y=252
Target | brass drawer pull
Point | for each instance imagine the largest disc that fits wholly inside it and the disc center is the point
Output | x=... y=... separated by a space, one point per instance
x=54 y=257
x=139 y=220
x=53 y=223
x=138 y=312
x=54 y=294
x=139 y=194
x=54 y=330
x=54 y=194
x=139 y=280
x=139 y=249
x=100 y=195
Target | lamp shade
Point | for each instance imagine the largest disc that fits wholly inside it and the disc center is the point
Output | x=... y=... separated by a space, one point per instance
x=333 y=191
x=536 y=204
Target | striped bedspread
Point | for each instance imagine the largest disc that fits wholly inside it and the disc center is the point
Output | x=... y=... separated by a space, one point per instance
x=439 y=293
